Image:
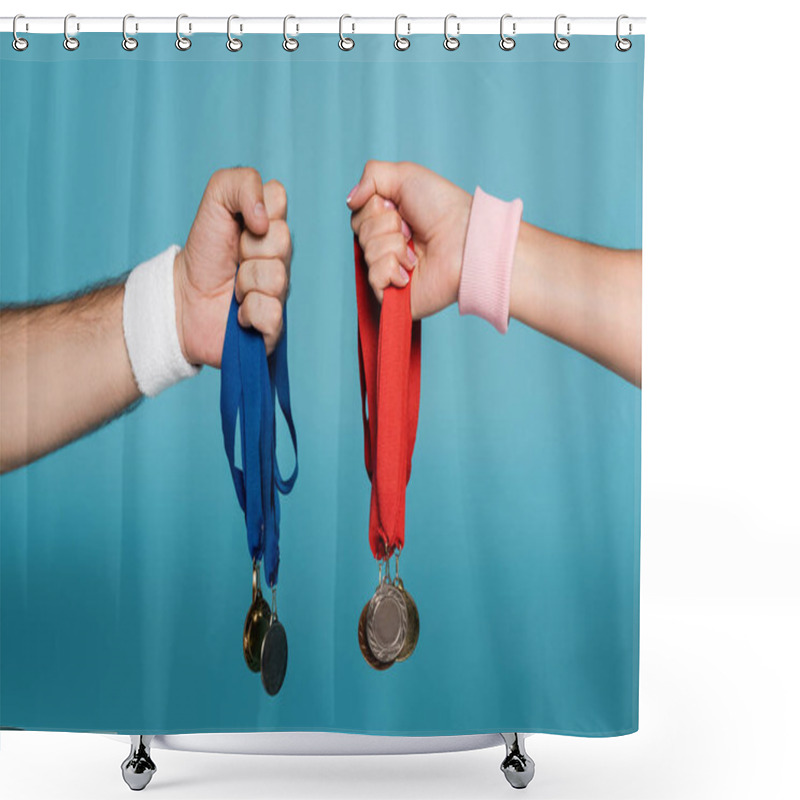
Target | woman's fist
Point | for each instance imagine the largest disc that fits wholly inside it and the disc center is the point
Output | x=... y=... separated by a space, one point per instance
x=395 y=203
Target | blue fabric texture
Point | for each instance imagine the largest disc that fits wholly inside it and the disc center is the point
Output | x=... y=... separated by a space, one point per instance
x=125 y=573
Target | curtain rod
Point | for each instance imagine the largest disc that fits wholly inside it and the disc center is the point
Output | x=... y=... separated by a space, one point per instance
x=351 y=25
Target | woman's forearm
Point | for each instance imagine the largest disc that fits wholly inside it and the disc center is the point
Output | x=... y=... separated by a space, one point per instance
x=586 y=296
x=65 y=371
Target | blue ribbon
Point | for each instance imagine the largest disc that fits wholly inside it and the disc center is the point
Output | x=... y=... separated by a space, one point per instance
x=249 y=384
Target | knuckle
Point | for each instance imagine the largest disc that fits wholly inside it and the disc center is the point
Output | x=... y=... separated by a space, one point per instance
x=367 y=229
x=255 y=277
x=274 y=315
x=283 y=239
x=278 y=190
x=283 y=280
x=405 y=169
x=369 y=251
x=249 y=173
x=387 y=265
x=214 y=182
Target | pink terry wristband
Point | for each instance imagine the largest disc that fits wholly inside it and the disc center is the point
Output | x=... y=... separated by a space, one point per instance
x=485 y=285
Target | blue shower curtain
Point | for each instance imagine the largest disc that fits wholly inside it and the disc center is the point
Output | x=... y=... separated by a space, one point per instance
x=124 y=568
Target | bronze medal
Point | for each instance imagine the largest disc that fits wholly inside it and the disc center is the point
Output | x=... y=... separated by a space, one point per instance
x=364 y=645
x=256 y=623
x=255 y=628
x=412 y=631
x=386 y=622
x=274 y=657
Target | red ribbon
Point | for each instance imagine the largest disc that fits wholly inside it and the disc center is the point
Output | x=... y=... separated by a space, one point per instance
x=389 y=365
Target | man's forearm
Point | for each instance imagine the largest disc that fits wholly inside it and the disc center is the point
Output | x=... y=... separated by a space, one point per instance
x=65 y=371
x=586 y=296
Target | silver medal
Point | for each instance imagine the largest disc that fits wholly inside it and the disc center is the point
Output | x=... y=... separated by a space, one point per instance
x=386 y=621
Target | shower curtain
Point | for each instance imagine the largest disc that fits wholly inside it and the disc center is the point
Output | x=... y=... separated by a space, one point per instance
x=125 y=573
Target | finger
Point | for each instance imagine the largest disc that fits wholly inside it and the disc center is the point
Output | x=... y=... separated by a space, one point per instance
x=376 y=206
x=265 y=314
x=379 y=177
x=276 y=244
x=275 y=199
x=387 y=271
x=239 y=190
x=404 y=228
x=380 y=225
x=267 y=276
x=391 y=243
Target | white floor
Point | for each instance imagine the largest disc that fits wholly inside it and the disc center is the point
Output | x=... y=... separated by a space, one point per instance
x=719 y=701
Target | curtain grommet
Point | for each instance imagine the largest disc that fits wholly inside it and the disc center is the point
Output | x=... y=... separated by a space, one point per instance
x=622 y=44
x=561 y=43
x=401 y=43
x=451 y=42
x=129 y=43
x=345 y=42
x=70 y=42
x=181 y=42
x=233 y=44
x=507 y=42
x=290 y=44
x=18 y=43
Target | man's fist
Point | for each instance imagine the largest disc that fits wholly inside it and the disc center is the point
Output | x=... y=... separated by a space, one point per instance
x=239 y=221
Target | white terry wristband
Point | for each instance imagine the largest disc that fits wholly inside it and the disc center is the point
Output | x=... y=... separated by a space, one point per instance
x=148 y=319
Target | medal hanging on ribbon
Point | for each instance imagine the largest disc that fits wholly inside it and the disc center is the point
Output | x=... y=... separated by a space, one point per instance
x=389 y=356
x=249 y=384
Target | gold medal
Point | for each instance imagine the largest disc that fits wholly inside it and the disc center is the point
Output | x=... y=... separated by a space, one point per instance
x=256 y=625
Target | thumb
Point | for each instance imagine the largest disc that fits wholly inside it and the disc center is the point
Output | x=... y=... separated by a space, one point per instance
x=239 y=191
x=384 y=178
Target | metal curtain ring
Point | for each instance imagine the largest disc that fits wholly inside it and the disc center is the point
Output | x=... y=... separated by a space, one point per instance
x=560 y=43
x=233 y=44
x=181 y=42
x=70 y=42
x=507 y=42
x=128 y=42
x=623 y=45
x=451 y=42
x=289 y=43
x=345 y=42
x=18 y=43
x=401 y=42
